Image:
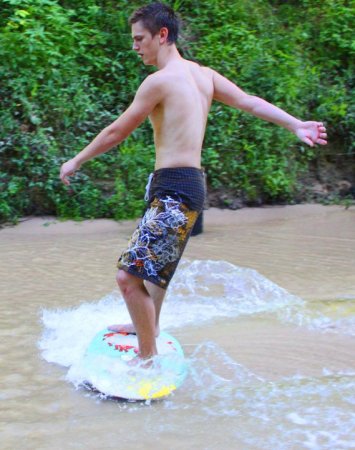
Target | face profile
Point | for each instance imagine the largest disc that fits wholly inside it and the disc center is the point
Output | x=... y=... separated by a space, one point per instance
x=145 y=44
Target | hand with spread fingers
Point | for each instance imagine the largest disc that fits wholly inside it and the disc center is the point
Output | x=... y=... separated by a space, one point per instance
x=312 y=133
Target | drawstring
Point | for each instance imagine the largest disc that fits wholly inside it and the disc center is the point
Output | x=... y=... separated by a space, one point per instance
x=146 y=196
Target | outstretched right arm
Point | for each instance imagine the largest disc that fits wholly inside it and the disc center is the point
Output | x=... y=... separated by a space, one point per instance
x=147 y=97
x=230 y=94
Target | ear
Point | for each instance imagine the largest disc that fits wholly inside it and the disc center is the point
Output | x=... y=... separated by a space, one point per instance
x=163 y=35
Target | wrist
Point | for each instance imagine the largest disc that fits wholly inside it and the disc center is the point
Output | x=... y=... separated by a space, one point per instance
x=295 y=125
x=78 y=160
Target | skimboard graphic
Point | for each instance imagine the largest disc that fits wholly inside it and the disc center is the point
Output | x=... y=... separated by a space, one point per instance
x=108 y=371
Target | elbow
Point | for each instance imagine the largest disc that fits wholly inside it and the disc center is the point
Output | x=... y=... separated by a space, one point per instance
x=247 y=103
x=114 y=135
x=250 y=104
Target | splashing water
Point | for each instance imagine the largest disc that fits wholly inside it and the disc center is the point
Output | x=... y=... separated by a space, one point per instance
x=314 y=413
x=242 y=408
x=201 y=292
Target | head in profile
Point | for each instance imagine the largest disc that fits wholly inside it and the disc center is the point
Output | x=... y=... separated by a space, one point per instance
x=154 y=26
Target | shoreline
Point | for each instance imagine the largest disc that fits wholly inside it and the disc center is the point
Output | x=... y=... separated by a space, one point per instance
x=307 y=249
x=212 y=216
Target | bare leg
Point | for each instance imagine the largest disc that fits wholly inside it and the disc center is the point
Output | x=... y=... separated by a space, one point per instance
x=157 y=294
x=141 y=308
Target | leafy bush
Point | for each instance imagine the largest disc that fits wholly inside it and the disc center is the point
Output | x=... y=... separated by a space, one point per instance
x=67 y=71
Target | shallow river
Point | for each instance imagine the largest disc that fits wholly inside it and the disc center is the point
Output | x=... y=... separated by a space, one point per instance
x=263 y=304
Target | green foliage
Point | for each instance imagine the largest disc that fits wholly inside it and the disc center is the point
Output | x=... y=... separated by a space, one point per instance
x=279 y=52
x=134 y=164
x=67 y=71
x=65 y=74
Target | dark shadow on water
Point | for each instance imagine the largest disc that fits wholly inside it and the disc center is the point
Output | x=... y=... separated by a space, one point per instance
x=89 y=387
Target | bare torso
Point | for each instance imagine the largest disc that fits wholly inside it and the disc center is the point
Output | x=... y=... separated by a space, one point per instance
x=179 y=120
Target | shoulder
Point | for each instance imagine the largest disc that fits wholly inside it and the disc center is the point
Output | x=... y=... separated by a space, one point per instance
x=150 y=87
x=157 y=83
x=151 y=82
x=203 y=70
x=160 y=78
x=195 y=65
x=212 y=73
x=208 y=71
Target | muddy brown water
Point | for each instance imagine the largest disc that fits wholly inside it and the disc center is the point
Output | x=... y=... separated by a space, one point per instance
x=308 y=250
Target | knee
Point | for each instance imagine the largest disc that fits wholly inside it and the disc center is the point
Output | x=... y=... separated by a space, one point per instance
x=122 y=279
x=126 y=282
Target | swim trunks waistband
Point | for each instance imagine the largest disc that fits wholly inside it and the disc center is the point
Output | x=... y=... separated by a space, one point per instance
x=173 y=174
x=185 y=184
x=173 y=169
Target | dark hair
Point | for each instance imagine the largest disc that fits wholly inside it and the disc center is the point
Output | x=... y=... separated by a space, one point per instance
x=156 y=16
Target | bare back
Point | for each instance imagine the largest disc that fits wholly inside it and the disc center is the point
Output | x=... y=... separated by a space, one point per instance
x=179 y=119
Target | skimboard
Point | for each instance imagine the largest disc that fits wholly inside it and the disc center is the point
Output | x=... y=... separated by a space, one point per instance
x=107 y=368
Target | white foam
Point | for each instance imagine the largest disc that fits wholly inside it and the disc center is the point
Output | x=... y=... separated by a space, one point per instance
x=294 y=417
x=68 y=332
x=311 y=413
x=201 y=292
x=208 y=290
x=343 y=326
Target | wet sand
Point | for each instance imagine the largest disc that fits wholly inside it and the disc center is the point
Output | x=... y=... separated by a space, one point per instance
x=309 y=250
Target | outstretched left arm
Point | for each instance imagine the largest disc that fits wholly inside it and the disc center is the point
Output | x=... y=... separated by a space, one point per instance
x=230 y=94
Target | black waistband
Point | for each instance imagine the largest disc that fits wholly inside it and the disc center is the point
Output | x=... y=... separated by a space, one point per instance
x=184 y=183
x=183 y=170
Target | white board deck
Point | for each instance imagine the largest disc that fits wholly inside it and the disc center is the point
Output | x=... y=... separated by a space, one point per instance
x=108 y=371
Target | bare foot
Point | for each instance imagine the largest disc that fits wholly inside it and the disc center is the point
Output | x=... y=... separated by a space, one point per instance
x=139 y=362
x=128 y=328
x=144 y=363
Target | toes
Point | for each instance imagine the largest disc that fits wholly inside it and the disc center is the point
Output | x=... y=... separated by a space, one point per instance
x=122 y=329
x=115 y=328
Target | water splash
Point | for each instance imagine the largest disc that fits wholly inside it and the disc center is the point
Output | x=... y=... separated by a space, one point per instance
x=201 y=292
x=244 y=409
x=238 y=409
x=222 y=397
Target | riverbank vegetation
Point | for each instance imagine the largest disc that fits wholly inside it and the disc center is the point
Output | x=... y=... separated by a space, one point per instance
x=67 y=71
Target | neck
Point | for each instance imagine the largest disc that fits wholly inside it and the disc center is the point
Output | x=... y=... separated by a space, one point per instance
x=167 y=54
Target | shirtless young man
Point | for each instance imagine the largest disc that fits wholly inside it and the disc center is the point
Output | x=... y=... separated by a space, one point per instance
x=177 y=99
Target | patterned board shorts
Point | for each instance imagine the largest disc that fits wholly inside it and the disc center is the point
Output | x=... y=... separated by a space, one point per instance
x=176 y=197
